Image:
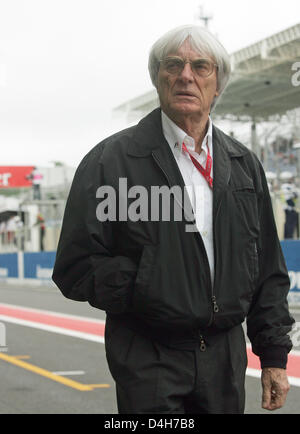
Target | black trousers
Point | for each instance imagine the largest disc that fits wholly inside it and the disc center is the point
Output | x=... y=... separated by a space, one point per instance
x=153 y=378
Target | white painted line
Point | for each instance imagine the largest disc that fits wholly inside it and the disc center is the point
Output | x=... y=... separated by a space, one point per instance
x=294 y=381
x=253 y=372
x=57 y=314
x=66 y=373
x=53 y=329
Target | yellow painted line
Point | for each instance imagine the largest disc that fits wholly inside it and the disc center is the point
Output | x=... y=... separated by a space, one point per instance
x=98 y=386
x=22 y=357
x=43 y=372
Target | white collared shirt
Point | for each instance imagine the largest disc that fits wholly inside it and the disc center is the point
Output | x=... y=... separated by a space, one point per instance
x=200 y=193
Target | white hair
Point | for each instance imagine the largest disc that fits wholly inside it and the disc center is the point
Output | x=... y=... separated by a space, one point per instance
x=202 y=41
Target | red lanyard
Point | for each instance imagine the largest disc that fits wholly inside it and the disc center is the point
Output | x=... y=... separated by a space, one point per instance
x=205 y=172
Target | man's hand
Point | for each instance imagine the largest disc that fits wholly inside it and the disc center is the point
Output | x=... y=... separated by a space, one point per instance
x=275 y=388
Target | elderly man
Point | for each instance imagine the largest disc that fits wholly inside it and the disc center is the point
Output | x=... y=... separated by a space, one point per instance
x=177 y=290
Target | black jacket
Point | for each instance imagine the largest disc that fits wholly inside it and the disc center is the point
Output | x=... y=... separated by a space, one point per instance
x=155 y=274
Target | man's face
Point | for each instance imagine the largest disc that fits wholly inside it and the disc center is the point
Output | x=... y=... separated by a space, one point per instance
x=186 y=93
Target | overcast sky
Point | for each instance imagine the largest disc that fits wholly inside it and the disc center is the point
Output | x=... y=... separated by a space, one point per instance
x=65 y=64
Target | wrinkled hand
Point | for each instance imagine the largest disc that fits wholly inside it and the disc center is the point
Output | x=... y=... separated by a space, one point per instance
x=275 y=388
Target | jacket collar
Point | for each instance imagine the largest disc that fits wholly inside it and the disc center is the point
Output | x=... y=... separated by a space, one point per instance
x=148 y=136
x=230 y=145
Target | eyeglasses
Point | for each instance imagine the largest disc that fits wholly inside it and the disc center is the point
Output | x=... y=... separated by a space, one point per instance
x=201 y=67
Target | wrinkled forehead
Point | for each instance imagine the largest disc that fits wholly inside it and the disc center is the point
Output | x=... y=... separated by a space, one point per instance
x=178 y=45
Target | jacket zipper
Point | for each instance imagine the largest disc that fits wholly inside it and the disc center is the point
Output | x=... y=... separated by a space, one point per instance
x=213 y=295
x=214 y=299
x=202 y=344
x=215 y=308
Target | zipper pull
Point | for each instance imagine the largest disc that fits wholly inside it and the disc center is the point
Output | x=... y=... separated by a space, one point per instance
x=215 y=306
x=202 y=344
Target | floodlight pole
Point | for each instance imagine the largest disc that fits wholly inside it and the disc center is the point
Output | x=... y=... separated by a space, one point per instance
x=204 y=17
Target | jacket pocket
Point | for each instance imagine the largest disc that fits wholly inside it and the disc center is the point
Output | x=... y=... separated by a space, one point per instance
x=247 y=209
x=144 y=274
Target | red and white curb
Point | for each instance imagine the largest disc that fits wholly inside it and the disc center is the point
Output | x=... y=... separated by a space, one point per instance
x=92 y=329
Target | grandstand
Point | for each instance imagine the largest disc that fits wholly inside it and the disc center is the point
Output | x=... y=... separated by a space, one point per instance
x=260 y=87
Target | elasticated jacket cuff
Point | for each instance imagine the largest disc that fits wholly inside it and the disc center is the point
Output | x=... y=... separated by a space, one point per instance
x=273 y=357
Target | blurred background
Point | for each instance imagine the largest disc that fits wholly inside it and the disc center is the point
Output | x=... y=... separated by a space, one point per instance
x=74 y=72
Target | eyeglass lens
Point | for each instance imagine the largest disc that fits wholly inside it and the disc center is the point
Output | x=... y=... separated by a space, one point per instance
x=175 y=65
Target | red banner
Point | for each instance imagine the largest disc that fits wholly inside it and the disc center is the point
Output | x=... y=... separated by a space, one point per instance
x=15 y=176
